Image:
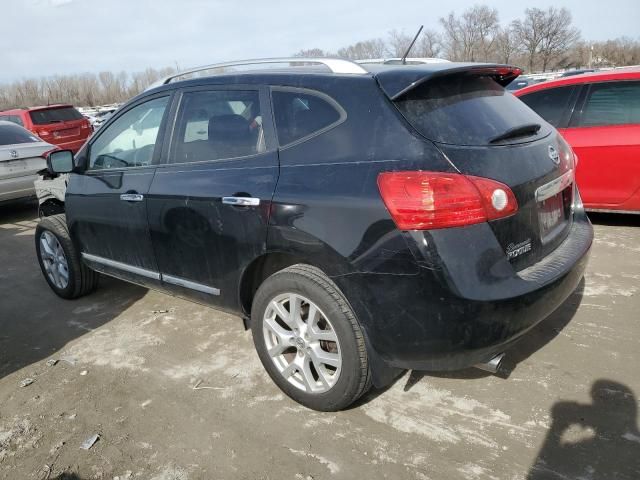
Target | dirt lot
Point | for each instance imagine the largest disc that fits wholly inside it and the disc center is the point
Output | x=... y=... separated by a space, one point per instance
x=129 y=361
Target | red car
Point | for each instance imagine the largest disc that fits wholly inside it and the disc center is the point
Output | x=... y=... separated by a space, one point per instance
x=599 y=115
x=61 y=125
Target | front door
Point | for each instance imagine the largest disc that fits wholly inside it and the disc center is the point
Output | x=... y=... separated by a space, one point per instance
x=209 y=200
x=605 y=134
x=107 y=205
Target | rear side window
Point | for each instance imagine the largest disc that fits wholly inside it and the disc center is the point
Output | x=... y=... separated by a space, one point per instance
x=217 y=124
x=551 y=103
x=616 y=103
x=464 y=110
x=52 y=115
x=12 y=134
x=301 y=114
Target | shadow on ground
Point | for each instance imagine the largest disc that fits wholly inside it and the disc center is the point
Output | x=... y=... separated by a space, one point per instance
x=596 y=440
x=34 y=322
x=615 y=219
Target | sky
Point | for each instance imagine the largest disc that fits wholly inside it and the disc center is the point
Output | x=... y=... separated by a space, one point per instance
x=51 y=37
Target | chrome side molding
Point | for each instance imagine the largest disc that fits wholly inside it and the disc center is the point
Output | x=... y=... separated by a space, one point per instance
x=121 y=266
x=181 y=282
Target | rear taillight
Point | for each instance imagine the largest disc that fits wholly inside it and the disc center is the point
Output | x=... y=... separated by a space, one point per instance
x=427 y=200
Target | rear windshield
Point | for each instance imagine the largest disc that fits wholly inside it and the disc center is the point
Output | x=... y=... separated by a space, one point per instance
x=465 y=110
x=66 y=114
x=11 y=134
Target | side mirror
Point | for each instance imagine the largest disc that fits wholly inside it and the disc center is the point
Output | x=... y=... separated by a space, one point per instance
x=60 y=161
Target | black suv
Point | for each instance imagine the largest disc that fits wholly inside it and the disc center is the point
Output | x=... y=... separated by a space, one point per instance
x=363 y=221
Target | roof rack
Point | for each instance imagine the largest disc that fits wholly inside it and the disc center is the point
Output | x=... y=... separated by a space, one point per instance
x=336 y=65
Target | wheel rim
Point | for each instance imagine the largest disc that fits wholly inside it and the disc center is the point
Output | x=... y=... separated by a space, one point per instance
x=302 y=343
x=54 y=260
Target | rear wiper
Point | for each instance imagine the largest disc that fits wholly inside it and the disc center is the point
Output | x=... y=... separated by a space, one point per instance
x=521 y=131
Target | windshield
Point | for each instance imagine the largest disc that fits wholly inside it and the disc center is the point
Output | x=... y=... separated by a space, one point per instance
x=465 y=110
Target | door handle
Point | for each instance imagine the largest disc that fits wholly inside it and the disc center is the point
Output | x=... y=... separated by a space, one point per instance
x=241 y=201
x=132 y=197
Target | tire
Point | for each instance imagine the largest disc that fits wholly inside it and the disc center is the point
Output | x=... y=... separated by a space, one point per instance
x=60 y=262
x=325 y=331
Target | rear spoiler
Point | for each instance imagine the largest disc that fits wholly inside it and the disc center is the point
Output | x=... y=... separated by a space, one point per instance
x=397 y=82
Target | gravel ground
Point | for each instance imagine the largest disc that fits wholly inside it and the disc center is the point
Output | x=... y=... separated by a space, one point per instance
x=175 y=391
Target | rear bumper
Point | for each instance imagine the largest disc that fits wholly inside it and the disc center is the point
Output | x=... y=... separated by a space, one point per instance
x=465 y=303
x=17 y=187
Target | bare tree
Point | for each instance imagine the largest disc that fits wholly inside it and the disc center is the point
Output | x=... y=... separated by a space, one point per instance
x=530 y=32
x=312 y=52
x=558 y=35
x=507 y=45
x=398 y=42
x=428 y=45
x=472 y=36
x=374 y=48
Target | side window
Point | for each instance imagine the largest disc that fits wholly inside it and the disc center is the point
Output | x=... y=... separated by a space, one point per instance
x=130 y=140
x=551 y=103
x=615 y=103
x=300 y=114
x=17 y=120
x=217 y=124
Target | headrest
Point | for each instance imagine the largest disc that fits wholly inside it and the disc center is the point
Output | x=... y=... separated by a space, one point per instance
x=228 y=127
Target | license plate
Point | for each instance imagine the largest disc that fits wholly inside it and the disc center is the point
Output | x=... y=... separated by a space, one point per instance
x=551 y=214
x=66 y=133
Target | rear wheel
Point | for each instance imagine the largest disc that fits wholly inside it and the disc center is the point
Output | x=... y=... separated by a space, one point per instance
x=60 y=262
x=309 y=340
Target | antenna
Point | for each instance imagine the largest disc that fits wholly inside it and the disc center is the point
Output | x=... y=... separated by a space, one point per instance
x=404 y=57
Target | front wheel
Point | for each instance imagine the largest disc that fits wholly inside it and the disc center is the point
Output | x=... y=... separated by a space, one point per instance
x=60 y=262
x=309 y=340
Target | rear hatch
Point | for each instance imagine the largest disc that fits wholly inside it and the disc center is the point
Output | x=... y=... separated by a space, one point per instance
x=59 y=124
x=485 y=131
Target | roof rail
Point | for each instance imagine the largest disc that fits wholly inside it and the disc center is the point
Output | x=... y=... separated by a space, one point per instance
x=336 y=65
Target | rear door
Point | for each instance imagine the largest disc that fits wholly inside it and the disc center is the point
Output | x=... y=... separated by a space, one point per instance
x=209 y=202
x=605 y=134
x=107 y=206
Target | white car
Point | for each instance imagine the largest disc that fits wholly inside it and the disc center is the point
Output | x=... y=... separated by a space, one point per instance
x=22 y=155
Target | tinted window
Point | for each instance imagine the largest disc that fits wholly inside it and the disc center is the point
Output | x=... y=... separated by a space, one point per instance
x=12 y=134
x=300 y=114
x=551 y=103
x=12 y=118
x=42 y=117
x=612 y=104
x=464 y=110
x=130 y=140
x=218 y=124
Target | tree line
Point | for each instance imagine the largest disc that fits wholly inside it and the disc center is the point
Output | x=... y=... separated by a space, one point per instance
x=541 y=40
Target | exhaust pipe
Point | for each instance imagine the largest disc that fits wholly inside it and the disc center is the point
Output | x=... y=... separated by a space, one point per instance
x=493 y=365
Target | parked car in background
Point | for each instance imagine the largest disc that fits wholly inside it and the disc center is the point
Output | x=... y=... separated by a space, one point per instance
x=599 y=115
x=22 y=155
x=519 y=83
x=579 y=71
x=60 y=125
x=100 y=117
x=362 y=220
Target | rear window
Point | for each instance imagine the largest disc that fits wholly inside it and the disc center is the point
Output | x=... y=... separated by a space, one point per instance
x=52 y=115
x=551 y=103
x=12 y=134
x=464 y=110
x=300 y=114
